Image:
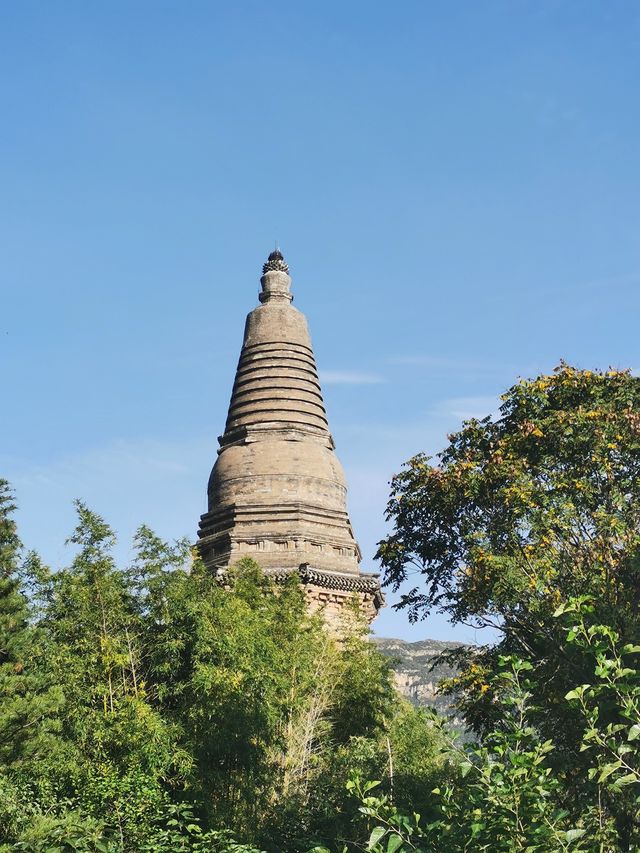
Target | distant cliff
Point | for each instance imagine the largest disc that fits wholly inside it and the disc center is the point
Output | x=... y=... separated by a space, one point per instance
x=412 y=662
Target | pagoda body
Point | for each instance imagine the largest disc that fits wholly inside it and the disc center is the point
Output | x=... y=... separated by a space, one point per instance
x=277 y=492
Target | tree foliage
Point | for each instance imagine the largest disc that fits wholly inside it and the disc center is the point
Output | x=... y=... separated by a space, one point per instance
x=525 y=510
x=522 y=512
x=507 y=794
x=30 y=700
x=151 y=709
x=518 y=518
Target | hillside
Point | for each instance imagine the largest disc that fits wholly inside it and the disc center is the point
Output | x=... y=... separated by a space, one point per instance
x=412 y=664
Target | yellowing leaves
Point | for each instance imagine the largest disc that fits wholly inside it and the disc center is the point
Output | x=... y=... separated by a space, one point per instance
x=530 y=428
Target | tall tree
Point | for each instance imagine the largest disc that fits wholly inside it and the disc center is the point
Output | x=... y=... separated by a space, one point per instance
x=29 y=700
x=193 y=713
x=126 y=755
x=519 y=514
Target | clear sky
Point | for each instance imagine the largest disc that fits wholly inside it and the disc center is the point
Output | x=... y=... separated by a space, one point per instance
x=454 y=185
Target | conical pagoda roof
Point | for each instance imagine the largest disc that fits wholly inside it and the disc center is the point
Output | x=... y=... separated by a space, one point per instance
x=276 y=380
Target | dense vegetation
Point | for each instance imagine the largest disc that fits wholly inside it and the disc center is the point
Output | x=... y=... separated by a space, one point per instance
x=152 y=710
x=146 y=708
x=530 y=522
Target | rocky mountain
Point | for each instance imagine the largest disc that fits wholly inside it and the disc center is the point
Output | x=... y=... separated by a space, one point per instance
x=413 y=665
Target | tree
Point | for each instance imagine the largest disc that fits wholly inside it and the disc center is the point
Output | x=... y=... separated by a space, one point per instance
x=122 y=756
x=505 y=792
x=526 y=510
x=609 y=707
x=521 y=512
x=519 y=515
x=503 y=797
x=188 y=714
x=28 y=700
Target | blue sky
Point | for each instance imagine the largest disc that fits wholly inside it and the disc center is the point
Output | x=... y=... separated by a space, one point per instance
x=454 y=185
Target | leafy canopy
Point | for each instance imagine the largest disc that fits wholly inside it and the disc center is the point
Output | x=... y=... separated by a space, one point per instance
x=523 y=511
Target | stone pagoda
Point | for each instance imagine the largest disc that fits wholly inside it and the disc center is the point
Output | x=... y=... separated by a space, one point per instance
x=277 y=492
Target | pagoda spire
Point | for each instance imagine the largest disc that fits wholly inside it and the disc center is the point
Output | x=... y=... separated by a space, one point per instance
x=275 y=281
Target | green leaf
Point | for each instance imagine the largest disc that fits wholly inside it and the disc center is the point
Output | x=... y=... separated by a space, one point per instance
x=578 y=692
x=608 y=769
x=574 y=834
x=377 y=833
x=634 y=732
x=627 y=779
x=394 y=844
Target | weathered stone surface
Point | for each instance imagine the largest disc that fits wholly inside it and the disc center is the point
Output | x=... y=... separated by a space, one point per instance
x=417 y=671
x=277 y=492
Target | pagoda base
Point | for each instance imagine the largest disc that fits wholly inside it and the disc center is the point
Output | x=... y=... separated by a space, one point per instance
x=333 y=594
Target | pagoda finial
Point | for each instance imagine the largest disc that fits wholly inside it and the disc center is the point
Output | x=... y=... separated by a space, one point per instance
x=275 y=263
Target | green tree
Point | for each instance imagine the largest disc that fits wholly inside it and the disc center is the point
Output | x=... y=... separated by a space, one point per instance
x=193 y=713
x=503 y=794
x=523 y=511
x=519 y=514
x=609 y=707
x=123 y=757
x=517 y=517
x=29 y=698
